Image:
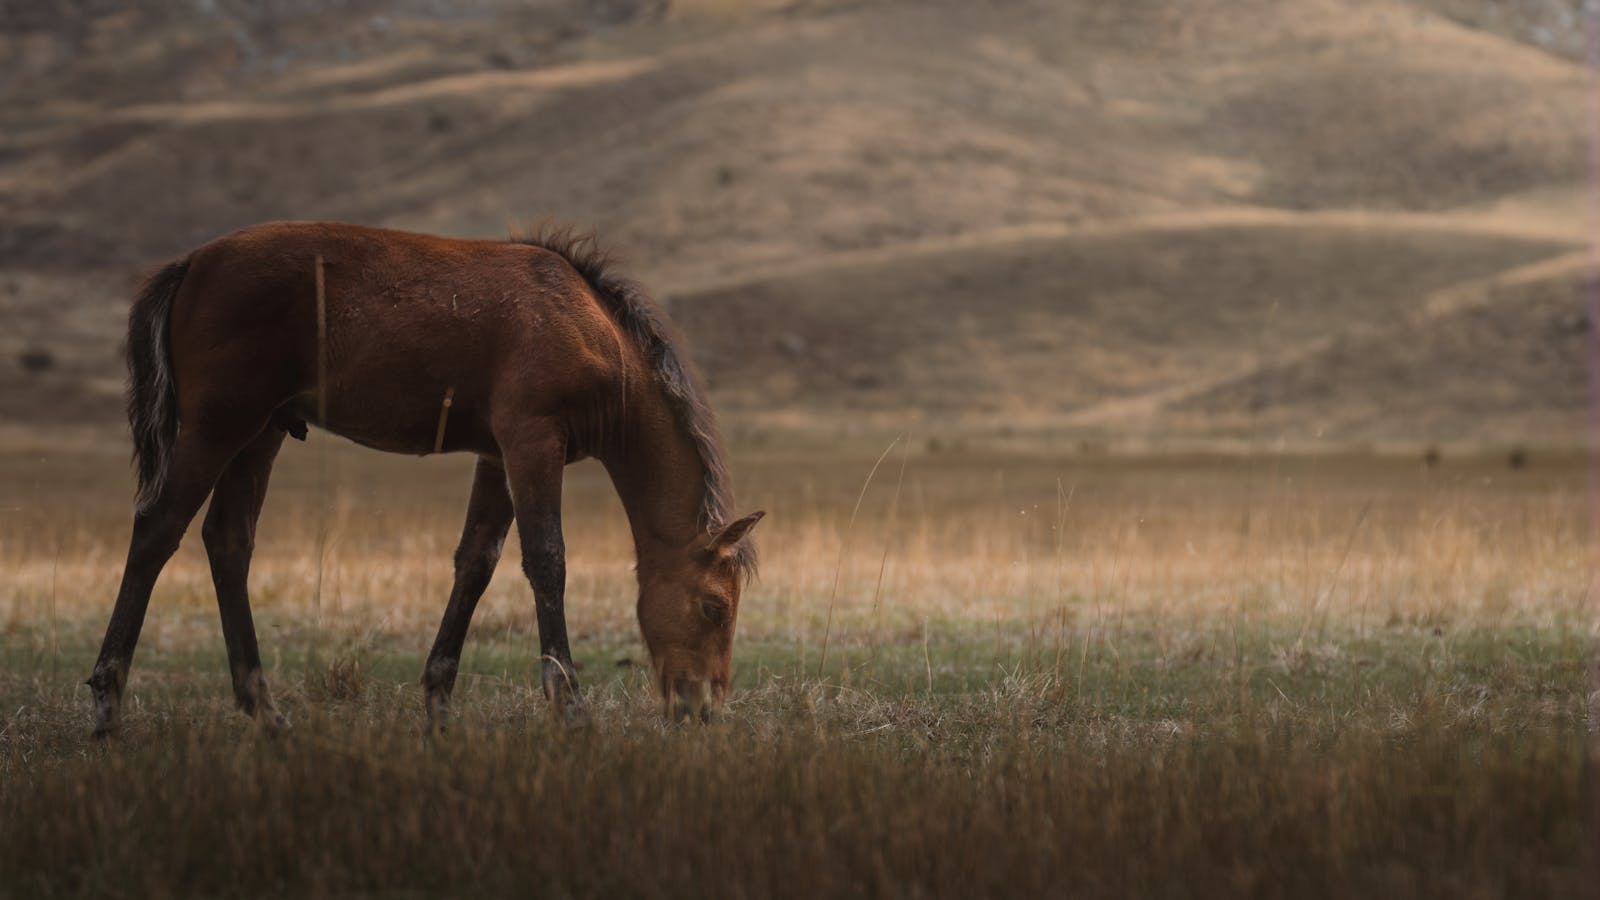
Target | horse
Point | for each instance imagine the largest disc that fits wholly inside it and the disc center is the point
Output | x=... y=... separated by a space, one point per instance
x=530 y=353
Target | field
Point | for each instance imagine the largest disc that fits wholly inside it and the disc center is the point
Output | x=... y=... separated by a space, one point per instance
x=1243 y=543
x=984 y=675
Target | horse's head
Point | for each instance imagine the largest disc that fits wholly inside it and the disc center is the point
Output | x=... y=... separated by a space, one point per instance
x=688 y=605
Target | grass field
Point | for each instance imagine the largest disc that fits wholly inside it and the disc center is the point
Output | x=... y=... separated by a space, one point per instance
x=1004 y=676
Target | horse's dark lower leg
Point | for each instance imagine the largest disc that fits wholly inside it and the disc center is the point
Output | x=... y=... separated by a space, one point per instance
x=229 y=532
x=534 y=468
x=157 y=529
x=488 y=519
x=544 y=562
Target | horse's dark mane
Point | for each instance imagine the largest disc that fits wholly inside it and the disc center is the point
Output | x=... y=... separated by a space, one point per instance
x=632 y=308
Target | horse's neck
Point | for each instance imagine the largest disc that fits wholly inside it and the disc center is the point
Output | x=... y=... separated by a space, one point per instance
x=661 y=480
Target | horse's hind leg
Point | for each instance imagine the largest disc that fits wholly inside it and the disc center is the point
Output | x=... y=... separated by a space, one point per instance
x=483 y=536
x=198 y=457
x=229 y=532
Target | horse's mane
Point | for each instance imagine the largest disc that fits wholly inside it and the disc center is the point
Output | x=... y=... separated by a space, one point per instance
x=641 y=317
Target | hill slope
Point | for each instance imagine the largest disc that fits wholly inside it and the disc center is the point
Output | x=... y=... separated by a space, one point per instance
x=1045 y=214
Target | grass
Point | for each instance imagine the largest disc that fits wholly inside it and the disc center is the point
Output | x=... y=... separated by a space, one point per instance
x=1045 y=676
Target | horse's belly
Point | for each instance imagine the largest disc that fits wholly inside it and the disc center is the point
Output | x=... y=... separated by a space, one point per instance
x=418 y=424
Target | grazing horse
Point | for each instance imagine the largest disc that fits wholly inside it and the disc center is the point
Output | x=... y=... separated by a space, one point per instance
x=530 y=353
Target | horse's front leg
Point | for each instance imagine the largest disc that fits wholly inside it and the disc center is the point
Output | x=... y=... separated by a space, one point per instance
x=483 y=536
x=534 y=465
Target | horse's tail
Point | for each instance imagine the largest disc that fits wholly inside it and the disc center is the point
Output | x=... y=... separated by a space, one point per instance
x=152 y=397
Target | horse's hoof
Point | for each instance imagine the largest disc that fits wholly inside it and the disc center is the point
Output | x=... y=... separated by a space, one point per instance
x=575 y=716
x=275 y=724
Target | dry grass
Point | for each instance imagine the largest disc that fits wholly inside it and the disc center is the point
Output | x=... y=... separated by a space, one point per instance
x=1267 y=677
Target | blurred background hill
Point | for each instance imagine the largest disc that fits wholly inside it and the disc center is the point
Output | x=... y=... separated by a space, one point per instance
x=1348 y=223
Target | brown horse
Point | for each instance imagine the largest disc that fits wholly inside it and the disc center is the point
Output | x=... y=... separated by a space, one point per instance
x=529 y=353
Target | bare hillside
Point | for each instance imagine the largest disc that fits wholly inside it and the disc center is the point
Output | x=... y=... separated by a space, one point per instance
x=1509 y=363
x=1031 y=213
x=1104 y=328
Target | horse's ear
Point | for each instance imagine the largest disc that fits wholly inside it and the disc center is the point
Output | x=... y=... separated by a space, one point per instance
x=734 y=532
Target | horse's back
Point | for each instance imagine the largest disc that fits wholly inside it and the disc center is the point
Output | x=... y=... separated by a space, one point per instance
x=422 y=338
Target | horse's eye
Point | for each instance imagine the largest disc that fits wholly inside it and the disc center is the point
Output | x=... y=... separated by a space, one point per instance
x=714 y=609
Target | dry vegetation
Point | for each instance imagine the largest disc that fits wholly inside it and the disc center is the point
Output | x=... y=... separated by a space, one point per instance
x=1237 y=225
x=1260 y=676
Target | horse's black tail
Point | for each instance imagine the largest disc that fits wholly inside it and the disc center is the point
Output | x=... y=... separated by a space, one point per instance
x=152 y=398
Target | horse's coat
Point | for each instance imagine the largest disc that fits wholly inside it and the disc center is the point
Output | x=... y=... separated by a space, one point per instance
x=528 y=353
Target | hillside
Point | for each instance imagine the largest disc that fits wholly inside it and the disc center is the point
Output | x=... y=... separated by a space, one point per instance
x=1094 y=218
x=1508 y=362
x=1104 y=329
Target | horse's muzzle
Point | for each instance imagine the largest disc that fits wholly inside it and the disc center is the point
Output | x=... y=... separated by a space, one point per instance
x=690 y=701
